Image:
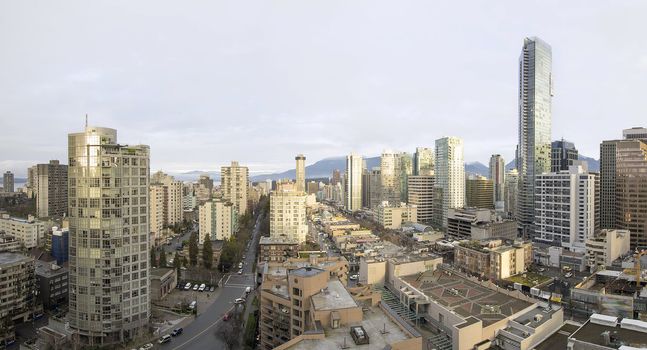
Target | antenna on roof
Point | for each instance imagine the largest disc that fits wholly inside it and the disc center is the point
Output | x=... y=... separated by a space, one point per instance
x=86 y=120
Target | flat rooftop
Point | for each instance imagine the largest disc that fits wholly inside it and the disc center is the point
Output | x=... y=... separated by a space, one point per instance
x=334 y=297
x=13 y=258
x=277 y=240
x=559 y=339
x=160 y=271
x=375 y=323
x=44 y=268
x=592 y=333
x=528 y=318
x=466 y=298
x=306 y=271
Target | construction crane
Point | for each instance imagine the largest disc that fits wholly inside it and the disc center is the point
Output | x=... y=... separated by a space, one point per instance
x=637 y=265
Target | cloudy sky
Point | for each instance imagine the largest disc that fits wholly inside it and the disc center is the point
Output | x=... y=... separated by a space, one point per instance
x=206 y=82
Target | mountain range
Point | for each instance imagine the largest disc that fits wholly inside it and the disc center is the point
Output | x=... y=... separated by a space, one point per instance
x=324 y=168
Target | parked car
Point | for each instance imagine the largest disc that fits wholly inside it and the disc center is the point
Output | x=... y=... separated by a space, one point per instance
x=248 y=290
x=195 y=287
x=239 y=300
x=240 y=265
x=240 y=272
x=202 y=287
x=568 y=275
x=164 y=339
x=177 y=332
x=187 y=286
x=146 y=346
x=212 y=288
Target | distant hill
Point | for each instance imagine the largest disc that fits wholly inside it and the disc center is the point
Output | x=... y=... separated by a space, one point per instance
x=324 y=168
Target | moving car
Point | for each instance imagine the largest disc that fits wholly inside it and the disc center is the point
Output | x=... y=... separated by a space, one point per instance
x=240 y=272
x=248 y=290
x=177 y=332
x=568 y=275
x=240 y=265
x=146 y=346
x=353 y=277
x=193 y=305
x=202 y=287
x=226 y=317
x=239 y=300
x=164 y=339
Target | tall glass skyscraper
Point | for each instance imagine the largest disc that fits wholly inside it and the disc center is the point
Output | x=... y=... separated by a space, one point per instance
x=534 y=148
x=109 y=244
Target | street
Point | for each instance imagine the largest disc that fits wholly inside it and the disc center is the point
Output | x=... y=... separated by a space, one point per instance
x=201 y=333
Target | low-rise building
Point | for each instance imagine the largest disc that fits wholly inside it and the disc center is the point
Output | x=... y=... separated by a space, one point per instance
x=479 y=224
x=612 y=293
x=163 y=281
x=31 y=232
x=52 y=282
x=380 y=270
x=60 y=244
x=392 y=216
x=493 y=259
x=607 y=246
x=337 y=266
x=277 y=249
x=9 y=243
x=605 y=332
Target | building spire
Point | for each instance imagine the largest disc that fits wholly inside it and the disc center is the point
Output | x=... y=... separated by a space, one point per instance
x=86 y=120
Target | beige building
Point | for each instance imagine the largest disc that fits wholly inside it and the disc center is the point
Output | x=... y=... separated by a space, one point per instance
x=479 y=192
x=300 y=173
x=607 y=246
x=380 y=270
x=392 y=216
x=421 y=194
x=17 y=284
x=30 y=232
x=109 y=227
x=165 y=201
x=277 y=249
x=217 y=219
x=479 y=224
x=288 y=215
x=51 y=195
x=233 y=183
x=336 y=266
x=493 y=259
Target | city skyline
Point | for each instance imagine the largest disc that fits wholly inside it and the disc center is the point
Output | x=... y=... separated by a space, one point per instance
x=163 y=87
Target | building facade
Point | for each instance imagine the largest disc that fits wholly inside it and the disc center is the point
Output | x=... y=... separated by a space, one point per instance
x=30 y=232
x=423 y=161
x=51 y=196
x=389 y=177
x=288 y=215
x=234 y=181
x=497 y=175
x=392 y=216
x=17 y=284
x=535 y=120
x=510 y=192
x=421 y=195
x=353 y=192
x=450 y=174
x=301 y=173
x=109 y=238
x=52 y=282
x=7 y=182
x=217 y=219
x=479 y=192
x=606 y=246
x=563 y=154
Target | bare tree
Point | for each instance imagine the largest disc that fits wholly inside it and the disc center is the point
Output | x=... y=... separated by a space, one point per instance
x=230 y=331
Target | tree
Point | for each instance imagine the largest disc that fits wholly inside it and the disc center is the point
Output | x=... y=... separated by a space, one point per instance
x=153 y=258
x=207 y=253
x=230 y=331
x=162 y=261
x=177 y=263
x=193 y=249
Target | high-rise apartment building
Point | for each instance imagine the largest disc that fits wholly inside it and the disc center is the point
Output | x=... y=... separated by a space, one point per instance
x=497 y=175
x=366 y=188
x=288 y=215
x=635 y=133
x=479 y=192
x=301 y=172
x=375 y=179
x=423 y=161
x=631 y=190
x=217 y=219
x=421 y=195
x=390 y=177
x=534 y=148
x=30 y=232
x=32 y=182
x=354 y=165
x=336 y=177
x=450 y=174
x=7 y=182
x=406 y=170
x=234 y=180
x=109 y=250
x=51 y=196
x=510 y=192
x=565 y=208
x=17 y=290
x=563 y=155
x=165 y=201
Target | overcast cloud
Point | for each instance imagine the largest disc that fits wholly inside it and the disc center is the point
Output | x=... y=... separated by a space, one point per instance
x=206 y=82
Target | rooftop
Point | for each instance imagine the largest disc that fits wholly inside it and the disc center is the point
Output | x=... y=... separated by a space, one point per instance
x=591 y=332
x=465 y=297
x=381 y=330
x=306 y=271
x=13 y=258
x=559 y=339
x=47 y=269
x=277 y=240
x=334 y=297
x=160 y=271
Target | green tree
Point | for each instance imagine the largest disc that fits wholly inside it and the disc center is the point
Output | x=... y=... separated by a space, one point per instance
x=193 y=249
x=177 y=263
x=153 y=258
x=207 y=253
x=162 y=261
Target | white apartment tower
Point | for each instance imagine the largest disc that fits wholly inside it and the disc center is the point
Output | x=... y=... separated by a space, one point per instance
x=109 y=248
x=565 y=208
x=354 y=167
x=390 y=177
x=301 y=173
x=166 y=201
x=450 y=174
x=288 y=215
x=217 y=219
x=234 y=181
